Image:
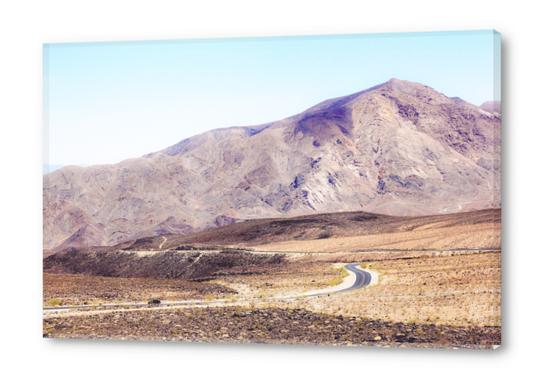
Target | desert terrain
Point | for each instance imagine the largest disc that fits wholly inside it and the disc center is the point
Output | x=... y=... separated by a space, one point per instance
x=368 y=219
x=434 y=281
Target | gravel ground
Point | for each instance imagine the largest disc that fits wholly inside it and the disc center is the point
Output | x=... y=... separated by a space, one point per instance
x=68 y=289
x=268 y=325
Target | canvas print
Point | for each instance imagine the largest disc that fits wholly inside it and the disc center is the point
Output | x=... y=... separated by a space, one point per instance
x=325 y=190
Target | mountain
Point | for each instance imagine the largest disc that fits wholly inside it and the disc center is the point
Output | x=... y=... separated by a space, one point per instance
x=399 y=148
x=491 y=106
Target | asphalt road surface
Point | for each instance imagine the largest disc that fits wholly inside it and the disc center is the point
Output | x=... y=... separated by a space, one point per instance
x=363 y=278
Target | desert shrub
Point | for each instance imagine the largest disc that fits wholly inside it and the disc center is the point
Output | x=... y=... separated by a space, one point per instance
x=324 y=235
x=339 y=278
x=54 y=302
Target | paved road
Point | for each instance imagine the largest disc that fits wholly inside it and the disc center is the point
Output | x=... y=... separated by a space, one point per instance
x=357 y=278
x=363 y=278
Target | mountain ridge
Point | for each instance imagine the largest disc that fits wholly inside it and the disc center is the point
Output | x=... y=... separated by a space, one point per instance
x=398 y=148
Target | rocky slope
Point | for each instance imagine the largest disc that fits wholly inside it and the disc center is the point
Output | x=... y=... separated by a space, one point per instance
x=161 y=265
x=399 y=148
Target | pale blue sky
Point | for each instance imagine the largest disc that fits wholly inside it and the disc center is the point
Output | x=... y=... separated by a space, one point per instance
x=105 y=102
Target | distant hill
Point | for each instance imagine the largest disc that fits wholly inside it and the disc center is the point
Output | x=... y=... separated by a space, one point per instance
x=492 y=106
x=346 y=231
x=399 y=148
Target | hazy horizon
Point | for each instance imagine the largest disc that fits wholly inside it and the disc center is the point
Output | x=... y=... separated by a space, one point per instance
x=106 y=102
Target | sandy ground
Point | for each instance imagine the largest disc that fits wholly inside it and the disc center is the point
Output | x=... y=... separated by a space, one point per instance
x=454 y=237
x=461 y=289
x=434 y=284
x=69 y=289
x=454 y=290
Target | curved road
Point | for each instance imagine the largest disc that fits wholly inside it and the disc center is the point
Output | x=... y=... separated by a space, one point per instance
x=363 y=278
x=357 y=278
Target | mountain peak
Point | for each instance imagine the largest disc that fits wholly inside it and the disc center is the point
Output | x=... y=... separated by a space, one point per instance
x=405 y=85
x=396 y=81
x=399 y=148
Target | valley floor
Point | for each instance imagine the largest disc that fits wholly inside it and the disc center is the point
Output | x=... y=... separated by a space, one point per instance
x=438 y=299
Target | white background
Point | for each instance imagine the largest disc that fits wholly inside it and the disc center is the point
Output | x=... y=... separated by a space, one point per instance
x=25 y=25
